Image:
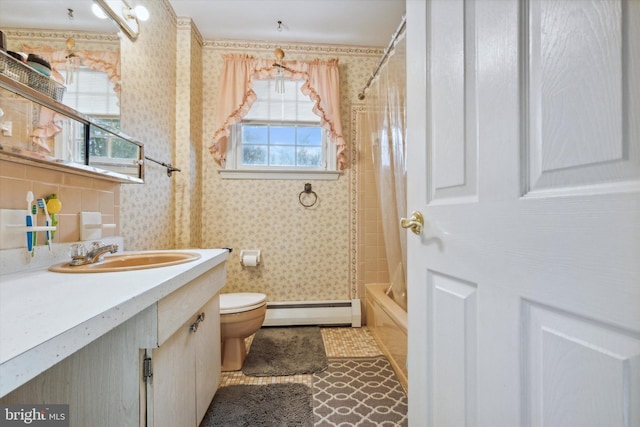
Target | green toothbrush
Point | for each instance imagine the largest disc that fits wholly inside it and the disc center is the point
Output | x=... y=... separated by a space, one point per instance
x=34 y=211
x=42 y=205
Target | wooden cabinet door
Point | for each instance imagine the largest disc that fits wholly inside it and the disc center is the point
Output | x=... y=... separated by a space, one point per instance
x=174 y=373
x=186 y=370
x=207 y=354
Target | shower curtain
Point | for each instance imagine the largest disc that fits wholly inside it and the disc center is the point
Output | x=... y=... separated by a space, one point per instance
x=385 y=120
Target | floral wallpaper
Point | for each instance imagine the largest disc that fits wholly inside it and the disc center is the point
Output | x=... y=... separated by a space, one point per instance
x=148 y=112
x=188 y=152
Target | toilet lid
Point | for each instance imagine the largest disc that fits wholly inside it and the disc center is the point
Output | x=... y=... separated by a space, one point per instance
x=239 y=302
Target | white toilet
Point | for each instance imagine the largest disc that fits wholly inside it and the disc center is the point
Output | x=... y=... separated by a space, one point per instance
x=241 y=315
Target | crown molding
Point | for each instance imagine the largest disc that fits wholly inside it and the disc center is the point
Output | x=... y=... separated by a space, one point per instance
x=253 y=46
x=186 y=23
x=169 y=9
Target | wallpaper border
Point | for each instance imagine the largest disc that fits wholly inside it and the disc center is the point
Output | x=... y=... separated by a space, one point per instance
x=356 y=110
x=292 y=47
x=61 y=35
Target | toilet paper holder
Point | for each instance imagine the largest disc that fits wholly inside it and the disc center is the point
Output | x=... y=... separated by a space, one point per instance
x=247 y=257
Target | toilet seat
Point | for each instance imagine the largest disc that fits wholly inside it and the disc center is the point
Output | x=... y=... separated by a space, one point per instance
x=240 y=302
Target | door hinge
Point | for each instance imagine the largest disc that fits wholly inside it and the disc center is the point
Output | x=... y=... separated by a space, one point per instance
x=147 y=369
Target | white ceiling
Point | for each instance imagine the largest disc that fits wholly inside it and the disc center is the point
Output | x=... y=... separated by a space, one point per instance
x=343 y=22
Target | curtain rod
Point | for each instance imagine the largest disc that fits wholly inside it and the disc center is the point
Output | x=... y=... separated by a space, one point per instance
x=394 y=37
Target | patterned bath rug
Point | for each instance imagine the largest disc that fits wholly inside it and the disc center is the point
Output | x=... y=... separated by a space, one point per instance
x=271 y=405
x=286 y=351
x=359 y=391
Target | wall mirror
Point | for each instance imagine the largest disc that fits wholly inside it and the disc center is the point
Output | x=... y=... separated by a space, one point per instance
x=93 y=141
x=35 y=128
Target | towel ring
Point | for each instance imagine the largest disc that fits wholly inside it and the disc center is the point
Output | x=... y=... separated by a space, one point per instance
x=308 y=190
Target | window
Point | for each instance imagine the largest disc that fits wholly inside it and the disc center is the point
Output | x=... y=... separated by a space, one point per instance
x=91 y=93
x=280 y=133
x=285 y=145
x=105 y=145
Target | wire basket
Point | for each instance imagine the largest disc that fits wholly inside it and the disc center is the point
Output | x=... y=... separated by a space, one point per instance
x=21 y=72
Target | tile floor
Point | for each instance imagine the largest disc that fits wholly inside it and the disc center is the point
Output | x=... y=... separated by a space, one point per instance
x=338 y=342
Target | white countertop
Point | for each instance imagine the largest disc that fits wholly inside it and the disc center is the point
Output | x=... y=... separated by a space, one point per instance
x=46 y=316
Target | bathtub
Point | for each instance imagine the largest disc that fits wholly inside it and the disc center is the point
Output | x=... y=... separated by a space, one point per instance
x=387 y=322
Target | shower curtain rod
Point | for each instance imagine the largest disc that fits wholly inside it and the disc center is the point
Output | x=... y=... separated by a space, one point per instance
x=394 y=37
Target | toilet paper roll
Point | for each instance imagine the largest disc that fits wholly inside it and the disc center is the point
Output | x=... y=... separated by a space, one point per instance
x=250 y=260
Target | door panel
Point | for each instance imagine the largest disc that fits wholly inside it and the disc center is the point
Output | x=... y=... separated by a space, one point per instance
x=452 y=78
x=580 y=77
x=454 y=330
x=578 y=372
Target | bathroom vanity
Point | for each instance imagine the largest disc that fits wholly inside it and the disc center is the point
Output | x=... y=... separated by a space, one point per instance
x=131 y=348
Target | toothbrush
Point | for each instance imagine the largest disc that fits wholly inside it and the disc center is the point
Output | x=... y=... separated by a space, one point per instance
x=42 y=205
x=34 y=211
x=29 y=222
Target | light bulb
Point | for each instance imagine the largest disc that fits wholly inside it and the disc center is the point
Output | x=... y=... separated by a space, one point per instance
x=141 y=12
x=98 y=11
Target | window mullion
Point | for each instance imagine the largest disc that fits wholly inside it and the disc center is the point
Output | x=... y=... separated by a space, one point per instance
x=269 y=145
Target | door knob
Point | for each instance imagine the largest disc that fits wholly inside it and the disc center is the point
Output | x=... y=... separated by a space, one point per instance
x=415 y=223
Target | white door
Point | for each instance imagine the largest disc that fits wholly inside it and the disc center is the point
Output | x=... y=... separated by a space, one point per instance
x=524 y=157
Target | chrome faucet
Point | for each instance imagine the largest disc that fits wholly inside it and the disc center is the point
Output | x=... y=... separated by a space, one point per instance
x=80 y=256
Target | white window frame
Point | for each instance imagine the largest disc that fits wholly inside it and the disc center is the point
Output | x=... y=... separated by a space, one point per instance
x=235 y=170
x=71 y=139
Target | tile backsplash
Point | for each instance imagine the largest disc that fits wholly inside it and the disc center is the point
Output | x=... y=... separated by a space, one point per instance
x=76 y=192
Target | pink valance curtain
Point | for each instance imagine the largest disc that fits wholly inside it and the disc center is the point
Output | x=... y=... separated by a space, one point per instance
x=97 y=60
x=50 y=122
x=236 y=96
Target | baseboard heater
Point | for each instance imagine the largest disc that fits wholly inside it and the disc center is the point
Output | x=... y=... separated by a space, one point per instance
x=297 y=313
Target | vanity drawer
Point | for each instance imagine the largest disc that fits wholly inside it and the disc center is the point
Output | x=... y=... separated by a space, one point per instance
x=180 y=306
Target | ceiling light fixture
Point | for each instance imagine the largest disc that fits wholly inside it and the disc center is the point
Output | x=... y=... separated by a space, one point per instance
x=123 y=15
x=139 y=12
